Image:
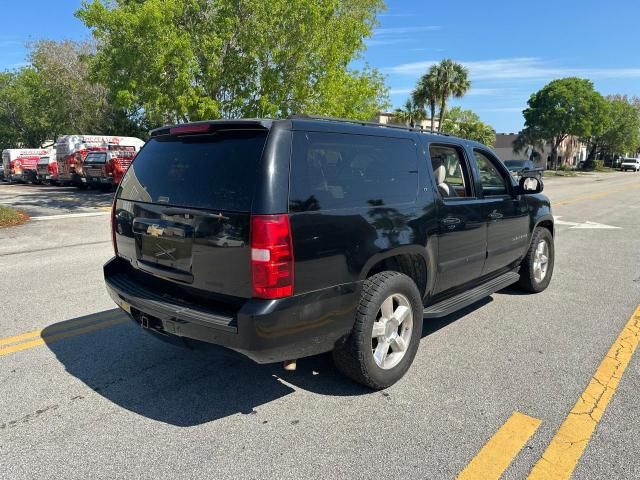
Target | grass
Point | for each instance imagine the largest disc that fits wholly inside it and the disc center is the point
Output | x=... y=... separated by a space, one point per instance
x=10 y=217
x=559 y=173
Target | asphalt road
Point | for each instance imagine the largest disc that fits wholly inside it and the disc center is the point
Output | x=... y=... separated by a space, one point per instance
x=98 y=398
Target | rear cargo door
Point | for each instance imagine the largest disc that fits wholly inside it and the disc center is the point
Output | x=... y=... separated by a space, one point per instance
x=183 y=210
x=94 y=164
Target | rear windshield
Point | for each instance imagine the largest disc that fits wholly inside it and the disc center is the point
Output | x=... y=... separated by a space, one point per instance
x=96 y=158
x=514 y=163
x=201 y=171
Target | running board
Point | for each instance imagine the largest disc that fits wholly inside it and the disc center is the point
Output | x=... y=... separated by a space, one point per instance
x=464 y=299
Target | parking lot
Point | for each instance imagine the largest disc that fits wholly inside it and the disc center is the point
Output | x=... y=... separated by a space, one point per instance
x=86 y=394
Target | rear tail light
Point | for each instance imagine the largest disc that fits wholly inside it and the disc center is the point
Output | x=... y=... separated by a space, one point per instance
x=110 y=166
x=113 y=227
x=271 y=256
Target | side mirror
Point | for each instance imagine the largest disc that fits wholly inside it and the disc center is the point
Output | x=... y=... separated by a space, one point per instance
x=530 y=185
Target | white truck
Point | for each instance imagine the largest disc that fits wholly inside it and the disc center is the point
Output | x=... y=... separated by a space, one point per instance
x=632 y=164
x=72 y=151
x=20 y=164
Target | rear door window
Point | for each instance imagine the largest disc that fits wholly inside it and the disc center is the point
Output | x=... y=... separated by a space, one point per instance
x=200 y=171
x=332 y=171
x=96 y=158
x=450 y=171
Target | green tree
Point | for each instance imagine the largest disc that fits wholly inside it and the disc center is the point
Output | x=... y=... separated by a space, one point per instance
x=452 y=81
x=54 y=95
x=23 y=120
x=564 y=107
x=426 y=93
x=621 y=133
x=528 y=140
x=412 y=114
x=185 y=60
x=467 y=124
x=75 y=103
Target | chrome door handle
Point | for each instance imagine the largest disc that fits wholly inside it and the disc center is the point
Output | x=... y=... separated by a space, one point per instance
x=450 y=221
x=495 y=215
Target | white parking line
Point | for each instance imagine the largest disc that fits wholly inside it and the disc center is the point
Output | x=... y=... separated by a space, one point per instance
x=70 y=215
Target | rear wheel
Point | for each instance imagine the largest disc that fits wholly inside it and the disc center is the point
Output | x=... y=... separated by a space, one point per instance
x=537 y=266
x=386 y=333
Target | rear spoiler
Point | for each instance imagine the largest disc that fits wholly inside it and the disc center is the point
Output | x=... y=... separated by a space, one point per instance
x=211 y=126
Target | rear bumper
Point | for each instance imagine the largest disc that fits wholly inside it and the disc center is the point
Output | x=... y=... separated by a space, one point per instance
x=71 y=179
x=47 y=176
x=95 y=181
x=24 y=176
x=264 y=330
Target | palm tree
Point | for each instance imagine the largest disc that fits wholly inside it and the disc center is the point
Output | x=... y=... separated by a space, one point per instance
x=426 y=93
x=411 y=114
x=453 y=81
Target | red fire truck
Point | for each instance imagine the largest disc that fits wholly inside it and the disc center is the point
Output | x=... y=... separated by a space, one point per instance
x=72 y=151
x=20 y=163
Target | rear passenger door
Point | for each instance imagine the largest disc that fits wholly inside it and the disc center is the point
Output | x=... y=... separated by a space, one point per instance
x=351 y=197
x=506 y=214
x=462 y=231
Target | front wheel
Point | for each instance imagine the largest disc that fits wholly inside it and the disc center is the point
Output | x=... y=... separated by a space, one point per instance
x=386 y=333
x=537 y=266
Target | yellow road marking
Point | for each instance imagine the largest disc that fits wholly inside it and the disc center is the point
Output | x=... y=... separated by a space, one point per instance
x=567 y=446
x=57 y=327
x=41 y=340
x=595 y=196
x=498 y=453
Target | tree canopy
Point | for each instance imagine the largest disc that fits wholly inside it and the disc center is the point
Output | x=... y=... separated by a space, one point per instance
x=53 y=96
x=412 y=114
x=427 y=93
x=467 y=124
x=441 y=82
x=185 y=60
x=564 y=107
x=620 y=133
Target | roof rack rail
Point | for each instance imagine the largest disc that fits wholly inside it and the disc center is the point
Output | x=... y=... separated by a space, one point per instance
x=363 y=123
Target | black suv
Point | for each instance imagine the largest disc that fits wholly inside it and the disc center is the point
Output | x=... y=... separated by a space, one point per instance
x=281 y=239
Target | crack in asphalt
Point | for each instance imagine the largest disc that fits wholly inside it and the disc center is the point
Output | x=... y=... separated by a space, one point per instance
x=623 y=345
x=38 y=250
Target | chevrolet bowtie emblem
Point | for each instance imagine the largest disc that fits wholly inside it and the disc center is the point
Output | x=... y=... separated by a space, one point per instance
x=155 y=230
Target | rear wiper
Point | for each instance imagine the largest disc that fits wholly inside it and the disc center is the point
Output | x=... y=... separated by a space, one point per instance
x=173 y=211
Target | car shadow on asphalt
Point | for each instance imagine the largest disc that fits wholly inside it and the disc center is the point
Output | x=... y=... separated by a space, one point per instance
x=62 y=198
x=176 y=385
x=182 y=387
x=432 y=325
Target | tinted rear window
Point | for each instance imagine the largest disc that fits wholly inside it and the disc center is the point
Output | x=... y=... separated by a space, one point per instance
x=202 y=171
x=331 y=171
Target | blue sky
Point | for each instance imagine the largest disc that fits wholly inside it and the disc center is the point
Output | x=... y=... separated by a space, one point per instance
x=511 y=48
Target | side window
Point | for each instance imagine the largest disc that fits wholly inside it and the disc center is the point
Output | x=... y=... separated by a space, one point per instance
x=450 y=171
x=334 y=170
x=492 y=181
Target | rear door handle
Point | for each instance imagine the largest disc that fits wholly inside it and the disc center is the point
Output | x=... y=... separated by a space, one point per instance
x=450 y=221
x=495 y=215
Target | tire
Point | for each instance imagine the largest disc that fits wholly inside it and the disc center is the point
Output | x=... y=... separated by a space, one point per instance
x=535 y=278
x=355 y=358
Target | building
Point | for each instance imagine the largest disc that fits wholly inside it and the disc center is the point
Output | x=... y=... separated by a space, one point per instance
x=571 y=151
x=388 y=118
